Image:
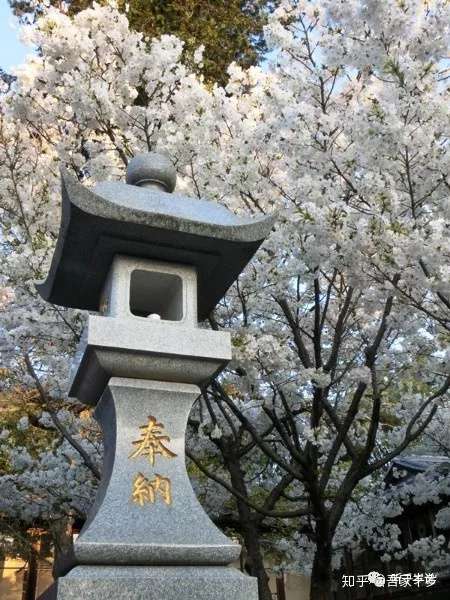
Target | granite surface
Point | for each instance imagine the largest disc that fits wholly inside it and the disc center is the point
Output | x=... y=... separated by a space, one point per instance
x=152 y=169
x=147 y=536
x=145 y=349
x=119 y=531
x=117 y=218
x=116 y=295
x=156 y=583
x=118 y=343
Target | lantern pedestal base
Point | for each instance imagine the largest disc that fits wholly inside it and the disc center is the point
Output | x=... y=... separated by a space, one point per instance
x=155 y=583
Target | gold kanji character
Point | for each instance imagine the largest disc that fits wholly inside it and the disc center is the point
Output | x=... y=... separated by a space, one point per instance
x=145 y=490
x=142 y=491
x=151 y=442
x=162 y=486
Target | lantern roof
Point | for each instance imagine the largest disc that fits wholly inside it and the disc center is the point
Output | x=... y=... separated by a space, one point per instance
x=142 y=218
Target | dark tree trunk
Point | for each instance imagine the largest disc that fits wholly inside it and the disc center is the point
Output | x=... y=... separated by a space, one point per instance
x=249 y=528
x=255 y=563
x=31 y=575
x=322 y=575
x=281 y=590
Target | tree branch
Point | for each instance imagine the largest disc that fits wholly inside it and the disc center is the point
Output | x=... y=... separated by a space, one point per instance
x=59 y=426
x=239 y=496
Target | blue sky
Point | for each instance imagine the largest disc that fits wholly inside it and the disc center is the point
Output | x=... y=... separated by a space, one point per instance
x=12 y=52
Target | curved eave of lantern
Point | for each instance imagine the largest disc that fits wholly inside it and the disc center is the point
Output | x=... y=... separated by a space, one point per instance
x=117 y=218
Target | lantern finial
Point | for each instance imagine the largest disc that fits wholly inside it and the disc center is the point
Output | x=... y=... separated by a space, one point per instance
x=152 y=170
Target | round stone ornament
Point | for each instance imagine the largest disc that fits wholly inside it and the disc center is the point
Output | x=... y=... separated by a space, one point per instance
x=152 y=168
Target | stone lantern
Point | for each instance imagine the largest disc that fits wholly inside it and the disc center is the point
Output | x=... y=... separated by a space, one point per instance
x=151 y=264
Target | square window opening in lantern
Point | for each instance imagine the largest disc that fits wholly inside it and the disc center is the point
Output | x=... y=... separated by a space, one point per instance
x=156 y=295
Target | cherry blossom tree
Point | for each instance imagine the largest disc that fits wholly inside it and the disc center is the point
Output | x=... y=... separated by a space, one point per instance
x=341 y=323
x=347 y=310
